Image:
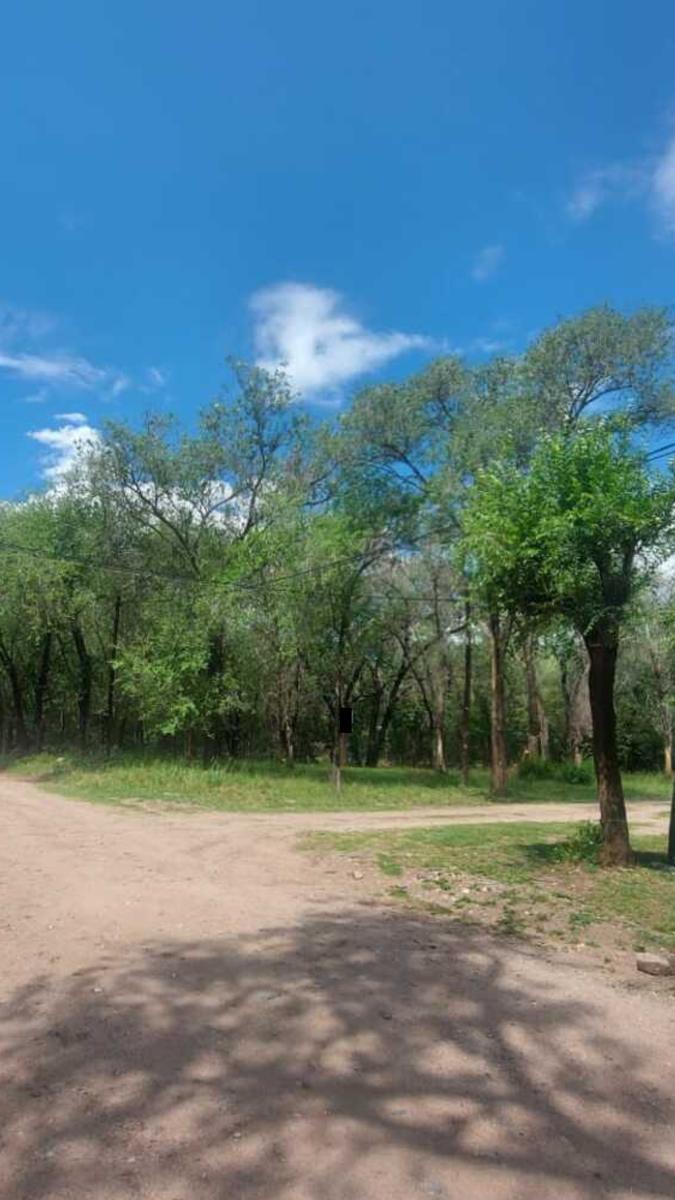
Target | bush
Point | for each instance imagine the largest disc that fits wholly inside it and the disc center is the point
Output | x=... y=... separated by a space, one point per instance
x=581 y=846
x=536 y=768
x=565 y=772
x=573 y=773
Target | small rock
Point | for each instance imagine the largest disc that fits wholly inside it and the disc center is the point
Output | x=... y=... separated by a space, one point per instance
x=358 y=874
x=386 y=1014
x=655 y=964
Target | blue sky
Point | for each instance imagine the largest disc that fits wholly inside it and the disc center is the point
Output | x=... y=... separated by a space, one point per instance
x=347 y=187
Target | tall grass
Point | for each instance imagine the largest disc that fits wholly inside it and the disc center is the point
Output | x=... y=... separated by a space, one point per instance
x=240 y=785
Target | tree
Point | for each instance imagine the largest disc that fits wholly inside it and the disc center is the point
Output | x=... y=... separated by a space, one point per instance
x=600 y=359
x=575 y=537
x=658 y=637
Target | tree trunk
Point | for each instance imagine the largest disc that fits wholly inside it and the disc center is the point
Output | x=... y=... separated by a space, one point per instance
x=112 y=674
x=465 y=721
x=373 y=740
x=214 y=740
x=499 y=776
x=575 y=699
x=602 y=652
x=537 y=721
x=437 y=744
x=671 y=828
x=20 y=727
x=390 y=707
x=41 y=686
x=668 y=757
x=287 y=738
x=85 y=684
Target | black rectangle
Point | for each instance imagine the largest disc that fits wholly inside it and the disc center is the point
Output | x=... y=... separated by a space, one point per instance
x=346 y=720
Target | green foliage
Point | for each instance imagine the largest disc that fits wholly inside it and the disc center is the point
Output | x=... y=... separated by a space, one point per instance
x=584 y=845
x=574 y=536
x=220 y=590
x=546 y=769
x=599 y=357
x=544 y=882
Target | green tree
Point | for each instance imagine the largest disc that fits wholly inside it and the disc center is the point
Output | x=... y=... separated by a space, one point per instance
x=576 y=536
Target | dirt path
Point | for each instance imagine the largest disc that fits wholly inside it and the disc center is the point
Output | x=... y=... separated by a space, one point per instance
x=646 y=816
x=193 y=1011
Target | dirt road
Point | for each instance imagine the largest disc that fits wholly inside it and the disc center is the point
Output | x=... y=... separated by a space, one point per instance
x=191 y=1010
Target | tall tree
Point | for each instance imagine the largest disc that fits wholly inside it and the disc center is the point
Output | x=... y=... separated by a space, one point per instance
x=575 y=537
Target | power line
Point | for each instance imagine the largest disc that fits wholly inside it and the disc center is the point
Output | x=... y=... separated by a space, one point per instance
x=659 y=451
x=232 y=585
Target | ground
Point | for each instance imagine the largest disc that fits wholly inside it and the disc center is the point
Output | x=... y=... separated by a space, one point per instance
x=244 y=785
x=193 y=1009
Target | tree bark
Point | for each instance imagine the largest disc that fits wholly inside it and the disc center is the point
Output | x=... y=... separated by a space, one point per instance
x=112 y=674
x=668 y=757
x=85 y=685
x=373 y=736
x=602 y=652
x=287 y=738
x=671 y=828
x=438 y=744
x=465 y=720
x=20 y=727
x=537 y=721
x=41 y=687
x=214 y=740
x=499 y=774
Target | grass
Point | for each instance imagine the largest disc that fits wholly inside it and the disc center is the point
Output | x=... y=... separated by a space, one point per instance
x=244 y=785
x=524 y=878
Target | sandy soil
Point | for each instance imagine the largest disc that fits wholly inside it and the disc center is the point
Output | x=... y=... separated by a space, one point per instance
x=191 y=1010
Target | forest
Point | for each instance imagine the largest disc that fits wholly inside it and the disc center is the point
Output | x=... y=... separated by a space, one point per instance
x=475 y=559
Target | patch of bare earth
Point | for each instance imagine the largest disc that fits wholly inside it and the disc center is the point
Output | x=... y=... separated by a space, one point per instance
x=549 y=913
x=192 y=1010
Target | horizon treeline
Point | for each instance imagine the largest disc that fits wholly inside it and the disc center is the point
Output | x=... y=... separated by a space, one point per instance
x=225 y=591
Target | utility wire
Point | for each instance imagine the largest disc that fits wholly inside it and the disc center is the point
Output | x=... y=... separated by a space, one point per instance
x=658 y=451
x=233 y=585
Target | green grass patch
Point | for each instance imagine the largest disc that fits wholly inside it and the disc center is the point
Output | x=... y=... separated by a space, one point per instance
x=507 y=852
x=546 y=876
x=244 y=785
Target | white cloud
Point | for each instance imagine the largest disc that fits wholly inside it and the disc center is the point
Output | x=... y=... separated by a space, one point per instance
x=64 y=444
x=121 y=383
x=663 y=187
x=71 y=418
x=58 y=369
x=650 y=180
x=587 y=197
x=486 y=262
x=308 y=330
x=157 y=377
x=22 y=324
x=26 y=352
x=488 y=345
x=618 y=181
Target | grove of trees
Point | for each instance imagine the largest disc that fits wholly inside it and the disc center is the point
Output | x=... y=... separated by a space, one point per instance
x=475 y=559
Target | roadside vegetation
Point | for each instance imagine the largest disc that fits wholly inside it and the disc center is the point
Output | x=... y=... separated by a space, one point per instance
x=467 y=563
x=241 y=785
x=540 y=881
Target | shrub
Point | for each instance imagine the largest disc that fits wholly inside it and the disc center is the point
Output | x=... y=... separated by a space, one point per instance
x=536 y=768
x=581 y=846
x=565 y=772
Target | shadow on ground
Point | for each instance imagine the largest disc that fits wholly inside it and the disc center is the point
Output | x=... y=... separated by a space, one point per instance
x=362 y=1055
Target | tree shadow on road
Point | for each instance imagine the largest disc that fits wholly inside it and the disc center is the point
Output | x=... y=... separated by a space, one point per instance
x=366 y=1054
